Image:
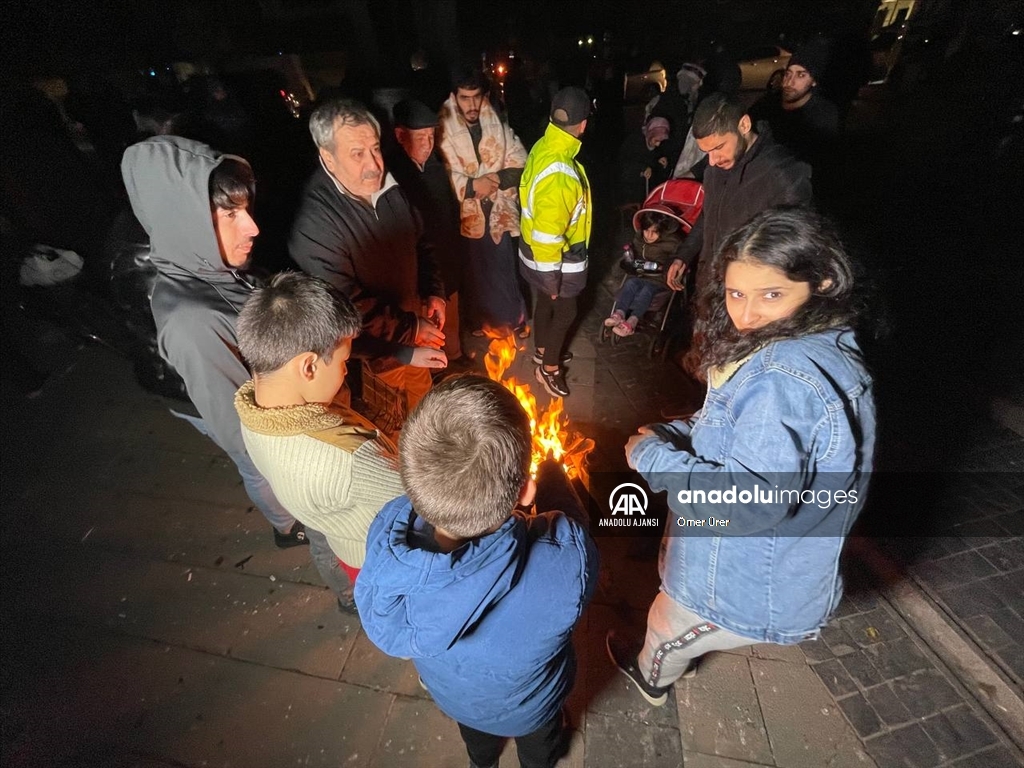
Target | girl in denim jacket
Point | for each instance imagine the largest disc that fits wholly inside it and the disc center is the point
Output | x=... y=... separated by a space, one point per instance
x=765 y=481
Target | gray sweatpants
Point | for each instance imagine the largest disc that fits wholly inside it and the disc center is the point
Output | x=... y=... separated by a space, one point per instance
x=676 y=636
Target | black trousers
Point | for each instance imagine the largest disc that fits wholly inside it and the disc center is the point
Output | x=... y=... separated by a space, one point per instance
x=540 y=749
x=552 y=319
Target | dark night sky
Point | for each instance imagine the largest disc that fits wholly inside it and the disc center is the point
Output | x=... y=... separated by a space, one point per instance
x=62 y=35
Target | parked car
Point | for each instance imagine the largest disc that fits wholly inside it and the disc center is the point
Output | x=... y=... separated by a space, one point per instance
x=763 y=67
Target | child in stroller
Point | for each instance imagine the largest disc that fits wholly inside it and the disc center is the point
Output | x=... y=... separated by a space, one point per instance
x=656 y=242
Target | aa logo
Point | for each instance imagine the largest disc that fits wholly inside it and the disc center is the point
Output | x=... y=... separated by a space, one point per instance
x=629 y=499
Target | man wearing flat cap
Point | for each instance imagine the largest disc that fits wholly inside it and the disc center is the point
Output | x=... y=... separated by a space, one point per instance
x=801 y=119
x=420 y=172
x=554 y=195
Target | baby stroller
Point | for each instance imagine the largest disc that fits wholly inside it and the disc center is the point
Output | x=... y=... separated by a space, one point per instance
x=682 y=200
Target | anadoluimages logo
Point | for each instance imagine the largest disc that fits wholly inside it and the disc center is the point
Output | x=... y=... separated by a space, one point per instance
x=627 y=498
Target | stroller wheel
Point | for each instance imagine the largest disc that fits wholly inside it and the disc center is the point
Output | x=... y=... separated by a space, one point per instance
x=657 y=344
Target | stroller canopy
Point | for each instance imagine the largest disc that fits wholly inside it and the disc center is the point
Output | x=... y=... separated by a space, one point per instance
x=682 y=199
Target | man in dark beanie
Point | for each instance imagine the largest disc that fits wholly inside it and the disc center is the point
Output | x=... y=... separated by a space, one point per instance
x=420 y=172
x=801 y=119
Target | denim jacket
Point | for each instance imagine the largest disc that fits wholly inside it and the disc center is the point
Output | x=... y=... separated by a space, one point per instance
x=764 y=483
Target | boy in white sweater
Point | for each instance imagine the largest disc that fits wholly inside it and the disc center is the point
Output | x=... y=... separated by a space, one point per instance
x=327 y=465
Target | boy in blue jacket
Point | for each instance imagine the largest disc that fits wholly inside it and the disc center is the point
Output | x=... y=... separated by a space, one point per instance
x=481 y=596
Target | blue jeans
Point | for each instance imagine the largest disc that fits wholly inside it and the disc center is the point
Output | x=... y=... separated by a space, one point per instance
x=256 y=485
x=636 y=295
x=326 y=563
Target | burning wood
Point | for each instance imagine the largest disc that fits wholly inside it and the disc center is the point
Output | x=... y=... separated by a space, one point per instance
x=552 y=436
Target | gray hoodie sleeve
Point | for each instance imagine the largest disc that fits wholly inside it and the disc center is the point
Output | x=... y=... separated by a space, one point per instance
x=206 y=356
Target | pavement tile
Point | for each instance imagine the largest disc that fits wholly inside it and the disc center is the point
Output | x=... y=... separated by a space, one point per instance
x=1006 y=554
x=719 y=712
x=999 y=757
x=698 y=760
x=860 y=714
x=417 y=734
x=792 y=693
x=790 y=653
x=1010 y=622
x=887 y=705
x=925 y=693
x=953 y=570
x=193 y=708
x=278 y=623
x=988 y=633
x=1011 y=522
x=972 y=600
x=958 y=732
x=907 y=747
x=895 y=658
x=860 y=668
x=838 y=639
x=368 y=667
x=816 y=650
x=612 y=743
x=1013 y=658
x=872 y=627
x=835 y=677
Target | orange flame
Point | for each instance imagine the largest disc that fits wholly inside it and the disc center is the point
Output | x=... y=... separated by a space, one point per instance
x=550 y=428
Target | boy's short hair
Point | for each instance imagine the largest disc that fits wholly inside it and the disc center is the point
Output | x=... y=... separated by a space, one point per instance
x=718 y=114
x=232 y=184
x=464 y=455
x=294 y=313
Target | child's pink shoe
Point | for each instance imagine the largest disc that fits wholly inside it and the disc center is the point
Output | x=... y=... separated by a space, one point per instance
x=614 y=319
x=626 y=327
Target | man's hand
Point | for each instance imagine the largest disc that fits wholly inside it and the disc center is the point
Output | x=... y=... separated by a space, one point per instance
x=435 y=311
x=646 y=173
x=642 y=434
x=674 y=276
x=428 y=357
x=486 y=185
x=663 y=162
x=428 y=334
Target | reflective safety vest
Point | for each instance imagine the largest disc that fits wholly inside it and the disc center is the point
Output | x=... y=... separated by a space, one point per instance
x=554 y=196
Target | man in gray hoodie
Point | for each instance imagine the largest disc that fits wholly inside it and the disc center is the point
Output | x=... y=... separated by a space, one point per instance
x=194 y=204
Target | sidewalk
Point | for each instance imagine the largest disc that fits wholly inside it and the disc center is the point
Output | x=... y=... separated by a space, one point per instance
x=149 y=620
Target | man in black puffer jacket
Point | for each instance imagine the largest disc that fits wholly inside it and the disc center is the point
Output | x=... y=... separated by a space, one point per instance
x=747 y=173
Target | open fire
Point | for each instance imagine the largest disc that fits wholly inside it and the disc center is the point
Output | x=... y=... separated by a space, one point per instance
x=552 y=435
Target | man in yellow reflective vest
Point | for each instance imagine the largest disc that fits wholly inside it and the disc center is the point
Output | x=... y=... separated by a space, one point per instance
x=554 y=196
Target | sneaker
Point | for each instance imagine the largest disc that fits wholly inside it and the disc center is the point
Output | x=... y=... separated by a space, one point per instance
x=538 y=357
x=347 y=604
x=296 y=537
x=622 y=657
x=614 y=319
x=553 y=381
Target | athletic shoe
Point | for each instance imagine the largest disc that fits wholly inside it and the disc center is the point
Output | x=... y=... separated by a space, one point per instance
x=553 y=381
x=296 y=537
x=622 y=657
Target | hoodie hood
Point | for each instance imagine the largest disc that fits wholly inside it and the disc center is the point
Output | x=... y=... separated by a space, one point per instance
x=416 y=603
x=168 y=178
